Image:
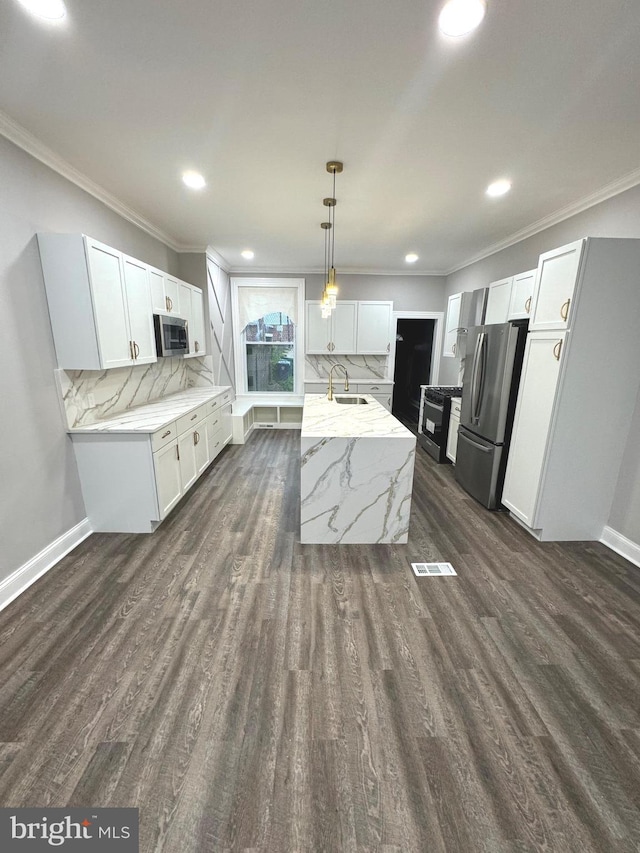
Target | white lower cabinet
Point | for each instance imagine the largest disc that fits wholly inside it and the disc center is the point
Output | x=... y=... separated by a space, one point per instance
x=131 y=481
x=166 y=464
x=452 y=434
x=540 y=372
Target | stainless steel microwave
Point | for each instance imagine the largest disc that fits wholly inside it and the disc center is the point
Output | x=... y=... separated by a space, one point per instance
x=172 y=335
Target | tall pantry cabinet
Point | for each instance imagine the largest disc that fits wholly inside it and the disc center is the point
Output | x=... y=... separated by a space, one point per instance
x=578 y=389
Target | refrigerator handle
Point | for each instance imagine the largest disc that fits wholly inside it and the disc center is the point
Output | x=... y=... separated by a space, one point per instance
x=474 y=380
x=482 y=365
x=481 y=447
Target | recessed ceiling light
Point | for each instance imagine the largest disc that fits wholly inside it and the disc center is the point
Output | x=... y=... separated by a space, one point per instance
x=499 y=187
x=50 y=10
x=248 y=254
x=411 y=258
x=459 y=17
x=193 y=180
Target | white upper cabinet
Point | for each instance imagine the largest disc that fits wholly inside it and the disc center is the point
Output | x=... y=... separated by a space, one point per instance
x=334 y=334
x=165 y=293
x=521 y=295
x=452 y=323
x=498 y=301
x=555 y=282
x=99 y=303
x=374 y=328
x=191 y=302
x=137 y=287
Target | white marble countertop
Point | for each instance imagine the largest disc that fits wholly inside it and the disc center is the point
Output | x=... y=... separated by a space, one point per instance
x=323 y=418
x=154 y=416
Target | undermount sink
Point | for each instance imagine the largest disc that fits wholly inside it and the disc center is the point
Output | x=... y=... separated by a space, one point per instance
x=350 y=401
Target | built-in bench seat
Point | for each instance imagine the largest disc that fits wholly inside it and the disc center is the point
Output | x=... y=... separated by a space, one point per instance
x=265 y=412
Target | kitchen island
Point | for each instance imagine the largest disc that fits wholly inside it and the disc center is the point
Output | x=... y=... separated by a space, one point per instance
x=356 y=472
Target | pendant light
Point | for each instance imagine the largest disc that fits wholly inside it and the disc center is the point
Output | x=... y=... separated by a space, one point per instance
x=325 y=303
x=331 y=288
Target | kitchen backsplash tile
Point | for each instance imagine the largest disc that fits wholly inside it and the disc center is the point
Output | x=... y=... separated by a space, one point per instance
x=358 y=366
x=118 y=389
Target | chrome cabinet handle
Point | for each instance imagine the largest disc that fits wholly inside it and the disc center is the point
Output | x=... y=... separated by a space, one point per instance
x=453 y=348
x=136 y=350
x=388 y=347
x=564 y=311
x=557 y=350
x=527 y=305
x=165 y=434
x=131 y=355
x=193 y=417
x=196 y=437
x=197 y=346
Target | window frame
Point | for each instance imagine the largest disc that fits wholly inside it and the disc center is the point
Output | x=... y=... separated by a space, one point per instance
x=239 y=342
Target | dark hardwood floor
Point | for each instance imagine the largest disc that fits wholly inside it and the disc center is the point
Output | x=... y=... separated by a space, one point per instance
x=248 y=693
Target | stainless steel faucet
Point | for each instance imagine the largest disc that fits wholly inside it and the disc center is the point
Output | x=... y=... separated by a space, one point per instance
x=346 y=380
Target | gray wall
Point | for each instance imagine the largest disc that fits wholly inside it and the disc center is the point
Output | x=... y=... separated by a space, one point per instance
x=408 y=292
x=40 y=498
x=616 y=217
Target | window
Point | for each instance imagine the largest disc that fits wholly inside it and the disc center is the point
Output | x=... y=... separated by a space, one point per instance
x=267 y=335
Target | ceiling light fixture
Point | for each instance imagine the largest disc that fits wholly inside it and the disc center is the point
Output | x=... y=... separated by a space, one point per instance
x=459 y=17
x=247 y=254
x=330 y=292
x=498 y=188
x=49 y=10
x=411 y=258
x=193 y=180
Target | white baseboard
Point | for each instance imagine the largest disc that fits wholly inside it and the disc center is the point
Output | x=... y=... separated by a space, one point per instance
x=37 y=566
x=621 y=545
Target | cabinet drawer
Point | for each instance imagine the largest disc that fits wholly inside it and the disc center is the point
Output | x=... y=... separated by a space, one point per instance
x=226 y=397
x=163 y=436
x=191 y=418
x=455 y=407
x=316 y=387
x=374 y=387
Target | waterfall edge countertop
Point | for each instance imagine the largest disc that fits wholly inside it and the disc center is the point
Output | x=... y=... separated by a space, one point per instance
x=324 y=418
x=356 y=473
x=151 y=417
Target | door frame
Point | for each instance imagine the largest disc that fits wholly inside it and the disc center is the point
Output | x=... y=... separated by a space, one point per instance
x=436 y=349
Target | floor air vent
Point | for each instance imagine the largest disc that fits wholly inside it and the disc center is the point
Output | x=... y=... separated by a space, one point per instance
x=432 y=570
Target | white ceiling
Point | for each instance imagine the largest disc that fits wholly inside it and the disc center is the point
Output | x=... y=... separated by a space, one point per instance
x=259 y=94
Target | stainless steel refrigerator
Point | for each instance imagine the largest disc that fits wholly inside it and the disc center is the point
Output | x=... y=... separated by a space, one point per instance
x=489 y=388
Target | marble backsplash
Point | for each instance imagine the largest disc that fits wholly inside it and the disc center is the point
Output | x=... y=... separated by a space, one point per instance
x=89 y=396
x=358 y=366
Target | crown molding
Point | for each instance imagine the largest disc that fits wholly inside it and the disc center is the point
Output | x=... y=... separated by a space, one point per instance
x=620 y=185
x=218 y=259
x=25 y=140
x=318 y=271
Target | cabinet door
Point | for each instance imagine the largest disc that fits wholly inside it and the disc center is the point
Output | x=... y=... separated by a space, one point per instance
x=184 y=299
x=374 y=328
x=534 y=408
x=521 y=295
x=452 y=438
x=109 y=303
x=344 y=320
x=172 y=294
x=168 y=482
x=498 y=301
x=227 y=424
x=200 y=447
x=136 y=278
x=158 y=300
x=451 y=325
x=317 y=329
x=556 y=278
x=196 y=330
x=188 y=465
